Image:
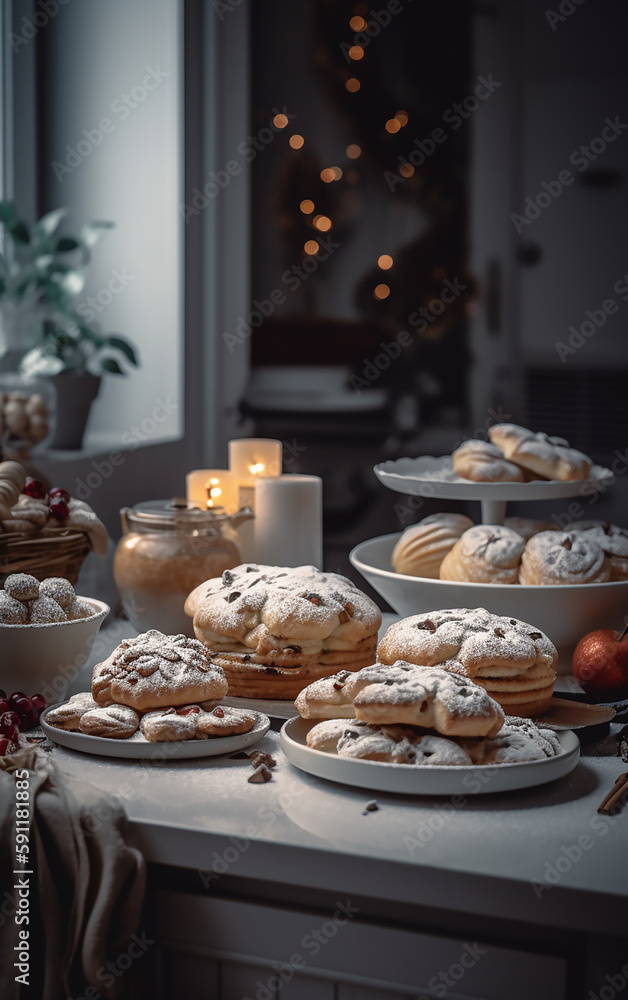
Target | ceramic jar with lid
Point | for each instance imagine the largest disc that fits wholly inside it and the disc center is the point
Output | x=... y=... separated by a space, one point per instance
x=164 y=553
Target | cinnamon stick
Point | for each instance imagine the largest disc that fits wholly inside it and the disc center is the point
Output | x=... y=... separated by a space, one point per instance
x=617 y=792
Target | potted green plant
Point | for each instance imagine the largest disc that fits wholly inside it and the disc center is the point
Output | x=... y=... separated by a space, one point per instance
x=41 y=332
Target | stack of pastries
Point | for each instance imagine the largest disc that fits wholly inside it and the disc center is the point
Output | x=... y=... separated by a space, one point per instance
x=515 y=454
x=274 y=629
x=438 y=695
x=520 y=551
x=163 y=687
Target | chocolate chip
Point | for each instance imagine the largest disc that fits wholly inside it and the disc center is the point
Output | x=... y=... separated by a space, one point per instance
x=246 y=658
x=535 y=635
x=272 y=670
x=315 y=599
x=513 y=621
x=566 y=543
x=338 y=686
x=371 y=806
x=253 y=582
x=233 y=596
x=260 y=776
x=427 y=624
x=261 y=757
x=499 y=632
x=239 y=756
x=227 y=578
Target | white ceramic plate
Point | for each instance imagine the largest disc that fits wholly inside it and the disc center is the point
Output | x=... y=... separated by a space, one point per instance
x=409 y=780
x=140 y=749
x=434 y=477
x=276 y=709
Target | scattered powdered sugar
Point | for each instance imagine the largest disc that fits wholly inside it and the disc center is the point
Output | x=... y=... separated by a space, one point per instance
x=493 y=544
x=518 y=740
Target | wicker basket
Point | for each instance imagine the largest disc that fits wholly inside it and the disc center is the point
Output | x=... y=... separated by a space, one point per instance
x=43 y=556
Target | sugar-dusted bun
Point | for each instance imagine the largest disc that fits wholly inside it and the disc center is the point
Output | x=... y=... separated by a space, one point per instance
x=563 y=557
x=153 y=670
x=512 y=660
x=528 y=526
x=549 y=457
x=484 y=462
x=404 y=693
x=423 y=546
x=612 y=540
x=486 y=553
x=275 y=629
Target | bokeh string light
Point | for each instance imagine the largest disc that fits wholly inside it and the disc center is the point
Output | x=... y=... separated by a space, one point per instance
x=353 y=85
x=381 y=292
x=353 y=151
x=385 y=261
x=296 y=141
x=307 y=206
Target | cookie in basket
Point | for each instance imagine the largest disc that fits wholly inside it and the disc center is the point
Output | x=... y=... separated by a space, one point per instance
x=275 y=629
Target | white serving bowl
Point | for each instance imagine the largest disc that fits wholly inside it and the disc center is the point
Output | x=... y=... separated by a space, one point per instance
x=45 y=658
x=565 y=613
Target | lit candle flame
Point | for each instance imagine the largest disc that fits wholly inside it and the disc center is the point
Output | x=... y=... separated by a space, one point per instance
x=257 y=468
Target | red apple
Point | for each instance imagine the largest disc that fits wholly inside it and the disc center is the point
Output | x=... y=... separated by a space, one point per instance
x=600 y=660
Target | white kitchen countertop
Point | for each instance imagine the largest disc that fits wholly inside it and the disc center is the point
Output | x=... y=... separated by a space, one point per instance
x=481 y=856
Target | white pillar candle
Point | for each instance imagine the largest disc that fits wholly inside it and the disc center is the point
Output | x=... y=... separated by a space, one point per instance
x=289 y=521
x=250 y=458
x=212 y=488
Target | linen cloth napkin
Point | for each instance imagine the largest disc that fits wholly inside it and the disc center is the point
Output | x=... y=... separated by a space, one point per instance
x=86 y=890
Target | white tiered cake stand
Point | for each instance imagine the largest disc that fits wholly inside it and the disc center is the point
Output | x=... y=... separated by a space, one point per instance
x=434 y=477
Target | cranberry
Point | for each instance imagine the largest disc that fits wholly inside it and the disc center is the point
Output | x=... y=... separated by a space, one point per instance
x=189 y=710
x=4 y=706
x=38 y=703
x=14 y=697
x=34 y=488
x=59 y=508
x=58 y=491
x=29 y=721
x=6 y=747
x=9 y=724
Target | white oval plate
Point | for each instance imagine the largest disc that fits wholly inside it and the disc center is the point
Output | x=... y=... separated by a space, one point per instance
x=434 y=477
x=139 y=748
x=410 y=780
